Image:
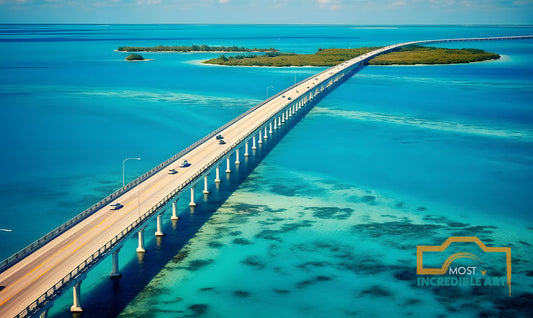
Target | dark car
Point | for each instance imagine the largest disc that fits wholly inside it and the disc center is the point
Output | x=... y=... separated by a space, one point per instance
x=172 y=171
x=219 y=137
x=185 y=164
x=221 y=142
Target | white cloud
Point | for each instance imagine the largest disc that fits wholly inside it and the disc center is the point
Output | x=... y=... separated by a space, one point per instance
x=223 y=1
x=331 y=4
x=397 y=4
x=280 y=3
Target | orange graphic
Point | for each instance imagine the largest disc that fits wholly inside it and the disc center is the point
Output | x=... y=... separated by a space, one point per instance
x=420 y=249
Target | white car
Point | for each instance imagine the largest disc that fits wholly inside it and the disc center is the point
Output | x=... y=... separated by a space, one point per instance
x=116 y=206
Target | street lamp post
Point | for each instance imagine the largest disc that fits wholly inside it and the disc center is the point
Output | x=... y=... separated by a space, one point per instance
x=138 y=201
x=268 y=88
x=123 y=162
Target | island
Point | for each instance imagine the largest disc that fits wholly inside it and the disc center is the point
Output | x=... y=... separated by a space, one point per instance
x=408 y=55
x=192 y=48
x=135 y=57
x=417 y=54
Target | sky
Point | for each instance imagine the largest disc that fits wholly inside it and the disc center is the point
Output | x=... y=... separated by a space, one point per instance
x=354 y=12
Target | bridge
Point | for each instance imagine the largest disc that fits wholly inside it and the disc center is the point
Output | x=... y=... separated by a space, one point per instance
x=31 y=279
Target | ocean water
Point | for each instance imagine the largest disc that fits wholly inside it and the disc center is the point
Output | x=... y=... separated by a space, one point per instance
x=328 y=222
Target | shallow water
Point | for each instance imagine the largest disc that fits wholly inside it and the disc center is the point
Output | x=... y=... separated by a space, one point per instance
x=295 y=245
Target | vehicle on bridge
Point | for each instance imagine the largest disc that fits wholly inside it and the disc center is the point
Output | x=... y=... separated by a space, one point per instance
x=185 y=164
x=219 y=137
x=172 y=171
x=221 y=142
x=116 y=206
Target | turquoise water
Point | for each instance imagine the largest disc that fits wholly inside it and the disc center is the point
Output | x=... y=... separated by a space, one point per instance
x=329 y=221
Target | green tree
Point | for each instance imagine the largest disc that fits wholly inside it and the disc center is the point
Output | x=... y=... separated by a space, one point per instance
x=134 y=57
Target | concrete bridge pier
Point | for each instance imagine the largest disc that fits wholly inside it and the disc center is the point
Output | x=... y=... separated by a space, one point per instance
x=270 y=131
x=279 y=121
x=140 y=248
x=275 y=125
x=115 y=271
x=174 y=216
x=228 y=170
x=237 y=162
x=283 y=117
x=206 y=191
x=76 y=298
x=159 y=231
x=217 y=174
x=265 y=136
x=192 y=196
x=246 y=154
x=254 y=147
x=260 y=136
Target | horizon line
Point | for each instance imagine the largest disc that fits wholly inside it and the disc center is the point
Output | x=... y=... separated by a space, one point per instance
x=282 y=24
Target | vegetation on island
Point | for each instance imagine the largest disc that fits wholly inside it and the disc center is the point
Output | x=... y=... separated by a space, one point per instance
x=326 y=57
x=410 y=55
x=193 y=48
x=416 y=54
x=135 y=57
